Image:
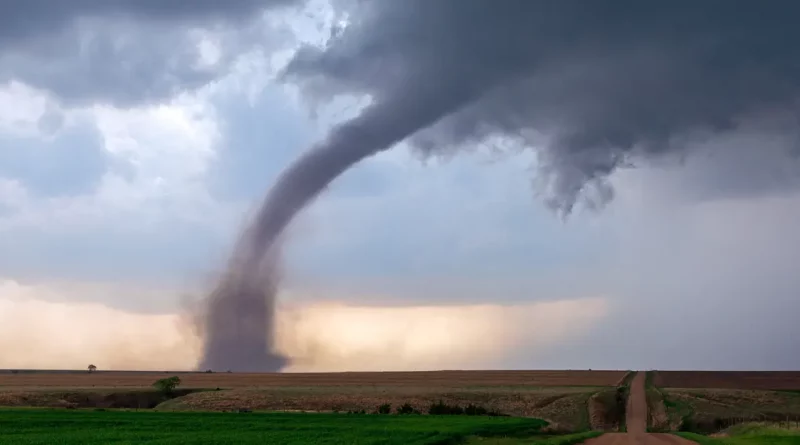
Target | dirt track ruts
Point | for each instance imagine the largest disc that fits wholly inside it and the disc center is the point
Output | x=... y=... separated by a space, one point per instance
x=636 y=422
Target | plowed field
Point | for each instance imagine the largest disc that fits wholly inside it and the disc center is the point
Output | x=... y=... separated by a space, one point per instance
x=439 y=379
x=764 y=380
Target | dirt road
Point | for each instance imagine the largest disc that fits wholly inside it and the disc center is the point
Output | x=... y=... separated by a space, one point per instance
x=636 y=421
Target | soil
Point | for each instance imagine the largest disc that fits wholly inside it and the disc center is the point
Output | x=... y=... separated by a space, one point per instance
x=225 y=380
x=764 y=380
x=88 y=399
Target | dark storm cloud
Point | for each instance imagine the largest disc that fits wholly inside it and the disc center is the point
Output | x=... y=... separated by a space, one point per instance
x=592 y=85
x=121 y=52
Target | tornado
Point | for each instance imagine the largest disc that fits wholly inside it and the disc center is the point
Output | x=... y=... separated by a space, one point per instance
x=239 y=321
x=589 y=87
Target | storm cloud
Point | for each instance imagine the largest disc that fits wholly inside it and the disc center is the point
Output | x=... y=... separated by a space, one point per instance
x=589 y=88
x=126 y=52
x=592 y=86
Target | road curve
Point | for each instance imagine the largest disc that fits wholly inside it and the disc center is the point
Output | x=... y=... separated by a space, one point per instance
x=636 y=421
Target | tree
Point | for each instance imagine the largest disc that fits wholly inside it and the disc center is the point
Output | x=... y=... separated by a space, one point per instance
x=167 y=385
x=92 y=368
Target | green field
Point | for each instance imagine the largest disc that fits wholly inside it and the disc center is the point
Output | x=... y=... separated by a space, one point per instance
x=749 y=434
x=38 y=426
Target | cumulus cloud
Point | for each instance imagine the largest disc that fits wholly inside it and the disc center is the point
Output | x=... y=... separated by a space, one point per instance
x=591 y=86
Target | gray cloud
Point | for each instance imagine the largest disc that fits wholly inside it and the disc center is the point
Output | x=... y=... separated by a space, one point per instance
x=592 y=85
x=245 y=167
x=123 y=52
x=72 y=163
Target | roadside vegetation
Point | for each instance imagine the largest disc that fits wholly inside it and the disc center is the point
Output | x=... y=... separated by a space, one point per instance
x=658 y=419
x=713 y=410
x=607 y=408
x=749 y=434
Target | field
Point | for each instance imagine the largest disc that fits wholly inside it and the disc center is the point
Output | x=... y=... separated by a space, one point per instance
x=445 y=379
x=712 y=401
x=568 y=401
x=33 y=426
x=761 y=380
x=563 y=398
x=749 y=434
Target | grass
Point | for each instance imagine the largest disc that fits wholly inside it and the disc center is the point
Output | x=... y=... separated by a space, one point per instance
x=711 y=410
x=610 y=406
x=66 y=427
x=749 y=434
x=568 y=439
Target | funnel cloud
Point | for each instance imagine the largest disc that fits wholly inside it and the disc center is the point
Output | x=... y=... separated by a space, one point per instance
x=590 y=86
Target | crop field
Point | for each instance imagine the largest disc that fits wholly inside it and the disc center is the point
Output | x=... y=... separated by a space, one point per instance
x=560 y=397
x=710 y=410
x=713 y=401
x=32 y=426
x=762 y=380
x=440 y=379
x=564 y=406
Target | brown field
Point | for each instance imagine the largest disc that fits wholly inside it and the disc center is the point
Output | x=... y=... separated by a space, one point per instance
x=437 y=379
x=567 y=407
x=763 y=380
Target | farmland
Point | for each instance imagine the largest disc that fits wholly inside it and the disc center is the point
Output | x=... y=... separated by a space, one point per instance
x=712 y=401
x=29 y=427
x=560 y=397
x=447 y=379
x=759 y=380
x=567 y=401
x=750 y=434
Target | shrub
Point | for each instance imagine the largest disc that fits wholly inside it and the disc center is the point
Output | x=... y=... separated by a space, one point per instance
x=442 y=409
x=386 y=408
x=474 y=410
x=406 y=409
x=167 y=385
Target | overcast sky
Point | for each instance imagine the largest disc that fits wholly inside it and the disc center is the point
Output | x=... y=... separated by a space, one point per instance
x=137 y=136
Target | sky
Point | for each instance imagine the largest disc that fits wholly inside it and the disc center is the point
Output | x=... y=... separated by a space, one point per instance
x=136 y=138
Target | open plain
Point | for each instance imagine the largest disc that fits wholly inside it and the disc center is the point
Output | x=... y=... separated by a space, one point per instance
x=630 y=407
x=451 y=379
x=757 y=380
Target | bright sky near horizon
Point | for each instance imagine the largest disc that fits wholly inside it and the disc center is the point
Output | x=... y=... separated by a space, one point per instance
x=133 y=148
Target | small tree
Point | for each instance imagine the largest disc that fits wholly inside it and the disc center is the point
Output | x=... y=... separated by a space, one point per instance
x=92 y=368
x=167 y=385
